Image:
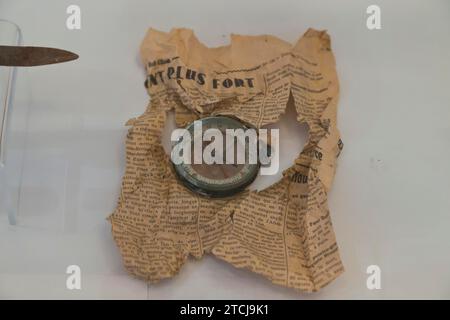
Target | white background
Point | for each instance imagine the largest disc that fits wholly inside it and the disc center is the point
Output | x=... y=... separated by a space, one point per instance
x=390 y=202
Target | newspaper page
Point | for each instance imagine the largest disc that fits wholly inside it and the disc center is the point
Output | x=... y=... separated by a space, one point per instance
x=283 y=232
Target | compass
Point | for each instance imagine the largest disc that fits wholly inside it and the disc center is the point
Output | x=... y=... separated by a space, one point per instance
x=222 y=178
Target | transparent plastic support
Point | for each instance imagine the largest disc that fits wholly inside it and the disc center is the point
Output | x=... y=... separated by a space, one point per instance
x=10 y=162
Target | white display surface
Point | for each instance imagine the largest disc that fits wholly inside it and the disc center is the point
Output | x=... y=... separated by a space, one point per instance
x=390 y=202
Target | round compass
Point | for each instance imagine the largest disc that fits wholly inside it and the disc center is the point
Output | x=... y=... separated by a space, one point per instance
x=235 y=164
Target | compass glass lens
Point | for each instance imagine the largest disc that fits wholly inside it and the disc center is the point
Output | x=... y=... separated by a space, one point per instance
x=233 y=168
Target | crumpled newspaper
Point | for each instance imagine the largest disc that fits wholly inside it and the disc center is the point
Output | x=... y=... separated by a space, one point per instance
x=283 y=232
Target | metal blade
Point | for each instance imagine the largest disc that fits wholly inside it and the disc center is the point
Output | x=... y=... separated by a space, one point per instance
x=16 y=56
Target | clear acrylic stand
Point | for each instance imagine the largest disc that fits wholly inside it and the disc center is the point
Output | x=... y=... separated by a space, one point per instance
x=11 y=148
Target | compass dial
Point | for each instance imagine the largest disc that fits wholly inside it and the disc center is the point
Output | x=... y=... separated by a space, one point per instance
x=219 y=179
